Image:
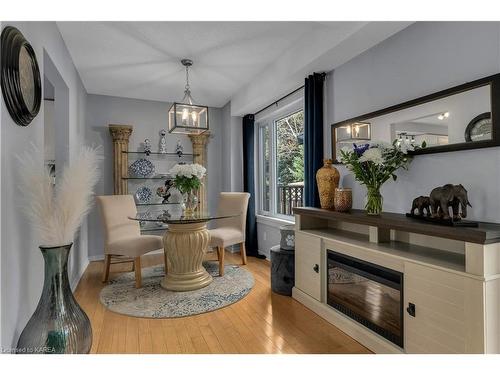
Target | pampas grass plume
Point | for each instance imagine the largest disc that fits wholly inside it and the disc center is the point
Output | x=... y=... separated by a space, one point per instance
x=57 y=213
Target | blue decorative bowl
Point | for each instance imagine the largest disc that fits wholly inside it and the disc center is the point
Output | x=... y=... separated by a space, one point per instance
x=141 y=168
x=143 y=195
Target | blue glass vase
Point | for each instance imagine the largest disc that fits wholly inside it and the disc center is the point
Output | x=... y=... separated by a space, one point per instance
x=58 y=325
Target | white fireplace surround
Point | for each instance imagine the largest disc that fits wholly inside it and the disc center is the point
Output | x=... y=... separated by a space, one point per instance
x=455 y=285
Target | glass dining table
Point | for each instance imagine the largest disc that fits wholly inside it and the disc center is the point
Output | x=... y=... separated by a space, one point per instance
x=185 y=244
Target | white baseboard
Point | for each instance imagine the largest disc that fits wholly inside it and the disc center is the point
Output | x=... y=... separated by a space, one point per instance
x=76 y=279
x=95 y=258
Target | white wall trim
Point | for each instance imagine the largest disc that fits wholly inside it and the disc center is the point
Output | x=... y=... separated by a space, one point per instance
x=78 y=276
x=273 y=221
x=96 y=258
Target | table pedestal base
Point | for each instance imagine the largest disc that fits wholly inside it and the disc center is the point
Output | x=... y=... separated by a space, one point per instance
x=185 y=246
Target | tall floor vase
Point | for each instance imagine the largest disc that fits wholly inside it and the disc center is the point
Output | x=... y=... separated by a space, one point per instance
x=58 y=325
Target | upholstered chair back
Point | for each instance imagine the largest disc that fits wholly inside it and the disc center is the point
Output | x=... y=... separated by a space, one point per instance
x=230 y=204
x=115 y=210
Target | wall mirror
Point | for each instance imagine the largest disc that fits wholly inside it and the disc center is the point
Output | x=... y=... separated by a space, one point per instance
x=460 y=118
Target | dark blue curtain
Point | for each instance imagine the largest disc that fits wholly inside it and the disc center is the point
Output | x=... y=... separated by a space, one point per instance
x=313 y=136
x=249 y=184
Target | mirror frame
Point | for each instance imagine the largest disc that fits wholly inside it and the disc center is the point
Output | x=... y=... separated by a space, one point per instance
x=493 y=81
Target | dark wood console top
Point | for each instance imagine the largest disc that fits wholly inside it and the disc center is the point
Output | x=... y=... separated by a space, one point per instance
x=484 y=234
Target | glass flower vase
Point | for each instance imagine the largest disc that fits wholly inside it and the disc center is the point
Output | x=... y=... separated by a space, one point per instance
x=190 y=203
x=374 y=201
x=58 y=325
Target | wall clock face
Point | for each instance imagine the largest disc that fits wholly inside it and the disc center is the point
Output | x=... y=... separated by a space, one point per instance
x=480 y=128
x=20 y=77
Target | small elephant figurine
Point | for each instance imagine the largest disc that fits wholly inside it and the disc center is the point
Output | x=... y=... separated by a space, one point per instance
x=420 y=204
x=449 y=195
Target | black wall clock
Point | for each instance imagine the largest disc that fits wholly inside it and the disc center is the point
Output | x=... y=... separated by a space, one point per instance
x=20 y=77
x=480 y=128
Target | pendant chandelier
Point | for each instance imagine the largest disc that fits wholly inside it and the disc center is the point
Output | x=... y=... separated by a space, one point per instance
x=185 y=117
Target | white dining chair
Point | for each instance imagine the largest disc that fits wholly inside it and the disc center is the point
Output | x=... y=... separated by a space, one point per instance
x=123 y=236
x=230 y=231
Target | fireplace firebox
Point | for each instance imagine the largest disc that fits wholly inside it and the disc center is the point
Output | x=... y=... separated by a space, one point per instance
x=368 y=293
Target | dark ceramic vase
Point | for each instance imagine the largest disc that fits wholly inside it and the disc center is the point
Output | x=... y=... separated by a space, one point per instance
x=58 y=325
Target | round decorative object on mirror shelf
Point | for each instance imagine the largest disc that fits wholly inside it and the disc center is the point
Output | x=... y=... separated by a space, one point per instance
x=20 y=77
x=143 y=195
x=141 y=168
x=480 y=128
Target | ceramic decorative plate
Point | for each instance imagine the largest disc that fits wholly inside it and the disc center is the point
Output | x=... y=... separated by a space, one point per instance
x=143 y=195
x=141 y=168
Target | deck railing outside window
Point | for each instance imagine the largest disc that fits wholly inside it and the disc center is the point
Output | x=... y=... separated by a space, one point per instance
x=290 y=196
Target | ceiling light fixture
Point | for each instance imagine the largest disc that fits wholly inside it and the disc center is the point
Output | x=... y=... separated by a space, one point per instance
x=444 y=115
x=185 y=117
x=357 y=131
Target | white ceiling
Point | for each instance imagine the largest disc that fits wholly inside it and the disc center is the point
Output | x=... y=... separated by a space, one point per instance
x=142 y=59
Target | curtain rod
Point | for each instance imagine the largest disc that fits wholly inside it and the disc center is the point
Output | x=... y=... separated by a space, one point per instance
x=279 y=100
x=323 y=75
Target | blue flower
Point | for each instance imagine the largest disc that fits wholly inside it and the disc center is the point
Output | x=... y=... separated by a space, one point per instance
x=360 y=150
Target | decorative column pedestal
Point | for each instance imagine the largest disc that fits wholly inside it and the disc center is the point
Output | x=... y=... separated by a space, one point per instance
x=120 y=135
x=200 y=142
x=185 y=246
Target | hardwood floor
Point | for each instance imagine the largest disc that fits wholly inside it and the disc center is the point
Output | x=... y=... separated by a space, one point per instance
x=263 y=322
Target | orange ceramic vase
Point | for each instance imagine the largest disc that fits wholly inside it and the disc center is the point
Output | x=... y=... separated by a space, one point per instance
x=327 y=179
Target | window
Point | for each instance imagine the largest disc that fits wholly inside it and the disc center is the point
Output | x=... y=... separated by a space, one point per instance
x=281 y=162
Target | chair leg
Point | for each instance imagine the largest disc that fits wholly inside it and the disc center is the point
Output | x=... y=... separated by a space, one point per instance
x=220 y=251
x=218 y=254
x=105 y=271
x=137 y=266
x=243 y=252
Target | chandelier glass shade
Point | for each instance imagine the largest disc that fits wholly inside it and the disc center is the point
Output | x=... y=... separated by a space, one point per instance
x=185 y=117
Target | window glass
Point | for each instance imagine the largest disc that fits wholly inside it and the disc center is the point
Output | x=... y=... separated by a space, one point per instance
x=281 y=164
x=289 y=162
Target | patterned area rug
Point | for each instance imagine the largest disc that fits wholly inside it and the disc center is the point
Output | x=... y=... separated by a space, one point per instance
x=152 y=301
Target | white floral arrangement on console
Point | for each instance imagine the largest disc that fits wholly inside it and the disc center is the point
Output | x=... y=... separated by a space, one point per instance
x=374 y=163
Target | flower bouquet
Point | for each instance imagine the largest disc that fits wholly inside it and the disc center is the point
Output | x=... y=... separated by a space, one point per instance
x=187 y=179
x=375 y=163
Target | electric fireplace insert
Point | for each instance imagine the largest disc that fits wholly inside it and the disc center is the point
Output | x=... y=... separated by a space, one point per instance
x=368 y=293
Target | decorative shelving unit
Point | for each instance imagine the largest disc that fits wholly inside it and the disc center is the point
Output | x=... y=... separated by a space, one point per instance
x=120 y=135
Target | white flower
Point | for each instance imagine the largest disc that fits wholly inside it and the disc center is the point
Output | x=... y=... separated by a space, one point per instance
x=346 y=149
x=290 y=240
x=374 y=155
x=188 y=170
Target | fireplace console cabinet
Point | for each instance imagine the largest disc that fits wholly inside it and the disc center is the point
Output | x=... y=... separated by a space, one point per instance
x=398 y=285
